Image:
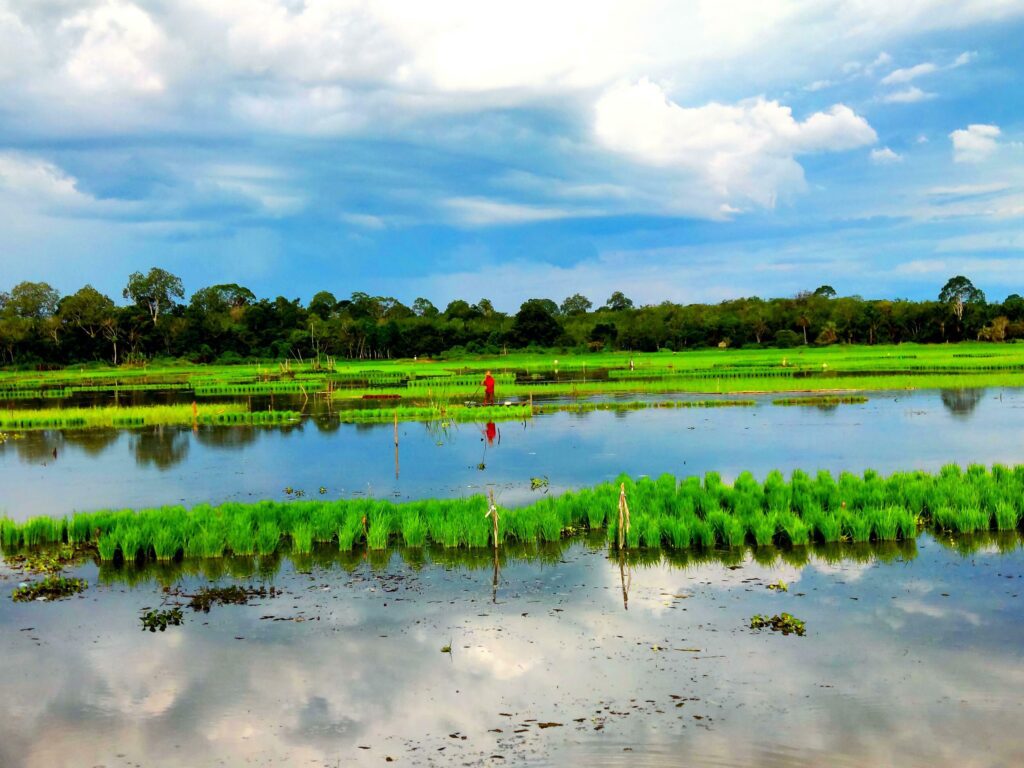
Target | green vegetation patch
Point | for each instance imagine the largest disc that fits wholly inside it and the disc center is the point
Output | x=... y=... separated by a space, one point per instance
x=141 y=416
x=785 y=623
x=50 y=588
x=690 y=514
x=155 y=619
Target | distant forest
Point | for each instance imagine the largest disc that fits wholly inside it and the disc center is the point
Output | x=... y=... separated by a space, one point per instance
x=228 y=323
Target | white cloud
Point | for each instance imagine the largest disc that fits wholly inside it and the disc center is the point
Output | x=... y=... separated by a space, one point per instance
x=975 y=143
x=117 y=46
x=967 y=190
x=39 y=185
x=963 y=59
x=481 y=212
x=268 y=187
x=818 y=85
x=900 y=76
x=909 y=95
x=885 y=156
x=737 y=153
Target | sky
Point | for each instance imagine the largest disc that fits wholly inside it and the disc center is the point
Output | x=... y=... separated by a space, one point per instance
x=684 y=151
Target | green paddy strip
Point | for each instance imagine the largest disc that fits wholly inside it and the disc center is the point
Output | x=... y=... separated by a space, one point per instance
x=692 y=514
x=639 y=405
x=821 y=401
x=441 y=413
x=140 y=416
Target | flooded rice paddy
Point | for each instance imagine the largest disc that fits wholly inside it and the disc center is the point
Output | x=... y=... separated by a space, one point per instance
x=545 y=655
x=56 y=472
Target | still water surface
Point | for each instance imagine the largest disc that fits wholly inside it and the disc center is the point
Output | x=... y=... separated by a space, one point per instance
x=915 y=661
x=139 y=468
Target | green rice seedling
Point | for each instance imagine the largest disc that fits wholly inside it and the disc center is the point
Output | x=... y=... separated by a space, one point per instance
x=414 y=530
x=885 y=523
x=379 y=532
x=1007 y=516
x=678 y=531
x=302 y=538
x=827 y=526
x=107 y=547
x=205 y=541
x=858 y=524
x=268 y=536
x=241 y=538
x=129 y=539
x=349 y=533
x=167 y=542
x=10 y=535
x=764 y=527
x=796 y=530
x=648 y=530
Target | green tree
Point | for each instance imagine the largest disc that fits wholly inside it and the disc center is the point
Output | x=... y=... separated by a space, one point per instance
x=618 y=302
x=535 y=323
x=86 y=309
x=155 y=291
x=826 y=291
x=577 y=304
x=958 y=292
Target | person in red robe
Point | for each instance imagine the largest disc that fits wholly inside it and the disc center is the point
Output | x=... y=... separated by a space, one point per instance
x=488 y=384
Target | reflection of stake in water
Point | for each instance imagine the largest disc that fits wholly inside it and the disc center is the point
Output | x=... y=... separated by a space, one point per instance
x=626 y=577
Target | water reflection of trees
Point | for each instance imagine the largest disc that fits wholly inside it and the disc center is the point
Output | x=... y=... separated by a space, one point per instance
x=962 y=402
x=226 y=437
x=37 y=446
x=161 y=447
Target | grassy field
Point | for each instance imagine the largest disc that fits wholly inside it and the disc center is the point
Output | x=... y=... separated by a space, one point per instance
x=695 y=513
x=440 y=386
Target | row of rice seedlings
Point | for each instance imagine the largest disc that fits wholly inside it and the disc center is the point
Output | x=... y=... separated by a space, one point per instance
x=371 y=377
x=261 y=388
x=637 y=405
x=693 y=513
x=138 y=416
x=473 y=380
x=458 y=413
x=822 y=400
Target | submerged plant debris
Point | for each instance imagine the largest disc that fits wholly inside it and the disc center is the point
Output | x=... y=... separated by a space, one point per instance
x=781 y=622
x=50 y=560
x=50 y=588
x=207 y=597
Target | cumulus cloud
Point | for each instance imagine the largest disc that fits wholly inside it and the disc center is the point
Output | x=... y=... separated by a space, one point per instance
x=739 y=153
x=975 y=143
x=117 y=45
x=885 y=156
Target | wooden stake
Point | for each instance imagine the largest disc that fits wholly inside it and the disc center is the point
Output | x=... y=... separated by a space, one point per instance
x=623 y=516
x=493 y=514
x=396 y=443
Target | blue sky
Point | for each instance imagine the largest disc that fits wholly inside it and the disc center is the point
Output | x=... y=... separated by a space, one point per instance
x=683 y=151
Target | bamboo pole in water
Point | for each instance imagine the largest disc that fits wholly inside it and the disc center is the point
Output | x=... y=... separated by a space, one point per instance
x=623 y=516
x=493 y=514
x=396 y=443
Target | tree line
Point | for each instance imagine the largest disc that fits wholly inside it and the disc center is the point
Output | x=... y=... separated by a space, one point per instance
x=228 y=323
